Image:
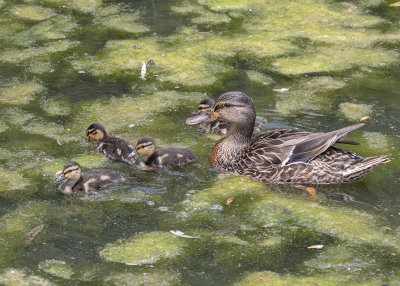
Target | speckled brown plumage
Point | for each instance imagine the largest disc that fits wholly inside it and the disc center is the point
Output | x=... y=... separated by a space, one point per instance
x=79 y=183
x=286 y=155
x=114 y=148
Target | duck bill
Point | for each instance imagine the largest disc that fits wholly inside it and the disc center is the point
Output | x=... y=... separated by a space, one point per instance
x=197 y=119
x=60 y=178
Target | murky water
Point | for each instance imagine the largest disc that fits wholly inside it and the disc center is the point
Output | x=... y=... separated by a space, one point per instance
x=314 y=65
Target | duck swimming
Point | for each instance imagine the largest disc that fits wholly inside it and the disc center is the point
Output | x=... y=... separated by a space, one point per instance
x=159 y=158
x=114 y=148
x=201 y=117
x=79 y=183
x=284 y=155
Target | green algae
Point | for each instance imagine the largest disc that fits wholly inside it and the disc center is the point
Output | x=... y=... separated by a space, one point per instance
x=149 y=278
x=346 y=260
x=20 y=93
x=355 y=111
x=107 y=11
x=16 y=224
x=32 y=13
x=377 y=141
x=49 y=129
x=308 y=94
x=118 y=113
x=56 y=28
x=11 y=180
x=19 y=55
x=344 y=223
x=146 y=248
x=40 y=67
x=16 y=116
x=343 y=59
x=56 y=106
x=3 y=126
x=258 y=77
x=56 y=268
x=128 y=23
x=82 y=6
x=260 y=278
x=202 y=15
x=16 y=277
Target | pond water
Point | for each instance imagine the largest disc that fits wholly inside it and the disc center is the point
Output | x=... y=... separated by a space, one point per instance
x=314 y=65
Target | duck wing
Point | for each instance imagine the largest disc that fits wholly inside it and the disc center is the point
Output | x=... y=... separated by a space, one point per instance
x=284 y=146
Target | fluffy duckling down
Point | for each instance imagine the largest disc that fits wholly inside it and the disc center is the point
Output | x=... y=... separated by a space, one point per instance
x=160 y=158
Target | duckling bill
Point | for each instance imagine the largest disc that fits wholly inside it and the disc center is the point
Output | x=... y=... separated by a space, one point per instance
x=159 y=158
x=79 y=183
x=283 y=155
x=114 y=148
x=206 y=124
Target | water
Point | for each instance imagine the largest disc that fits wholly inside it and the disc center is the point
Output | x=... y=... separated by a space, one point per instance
x=323 y=55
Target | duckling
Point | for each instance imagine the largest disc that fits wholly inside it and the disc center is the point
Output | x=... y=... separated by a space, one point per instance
x=79 y=183
x=157 y=158
x=114 y=148
x=285 y=155
x=201 y=118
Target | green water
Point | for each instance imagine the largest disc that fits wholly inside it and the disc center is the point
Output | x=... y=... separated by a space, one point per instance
x=307 y=64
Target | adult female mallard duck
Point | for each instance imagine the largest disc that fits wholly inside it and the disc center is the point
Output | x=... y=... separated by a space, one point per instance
x=159 y=158
x=79 y=183
x=201 y=117
x=114 y=148
x=285 y=155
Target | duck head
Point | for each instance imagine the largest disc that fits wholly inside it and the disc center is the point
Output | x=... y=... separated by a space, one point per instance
x=72 y=171
x=145 y=146
x=202 y=113
x=95 y=132
x=234 y=107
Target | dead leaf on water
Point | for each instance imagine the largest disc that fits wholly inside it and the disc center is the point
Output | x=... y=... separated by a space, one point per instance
x=263 y=279
x=32 y=234
x=229 y=201
x=396 y=4
x=310 y=190
x=317 y=246
x=364 y=118
x=59 y=142
x=129 y=263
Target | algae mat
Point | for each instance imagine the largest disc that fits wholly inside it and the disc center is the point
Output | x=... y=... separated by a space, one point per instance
x=141 y=68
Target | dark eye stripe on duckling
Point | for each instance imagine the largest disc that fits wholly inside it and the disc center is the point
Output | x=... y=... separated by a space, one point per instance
x=91 y=131
x=202 y=106
x=69 y=170
x=143 y=146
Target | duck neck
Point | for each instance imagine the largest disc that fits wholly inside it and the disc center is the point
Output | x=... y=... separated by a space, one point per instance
x=226 y=151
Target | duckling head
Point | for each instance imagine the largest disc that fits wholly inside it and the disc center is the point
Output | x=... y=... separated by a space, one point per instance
x=145 y=146
x=234 y=107
x=95 y=132
x=202 y=113
x=72 y=171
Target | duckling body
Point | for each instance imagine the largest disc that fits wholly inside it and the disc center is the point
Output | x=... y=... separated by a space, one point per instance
x=160 y=158
x=79 y=183
x=214 y=126
x=286 y=155
x=114 y=148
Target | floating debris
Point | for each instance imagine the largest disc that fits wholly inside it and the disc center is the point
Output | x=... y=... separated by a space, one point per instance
x=33 y=233
x=143 y=71
x=181 y=234
x=229 y=201
x=317 y=246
